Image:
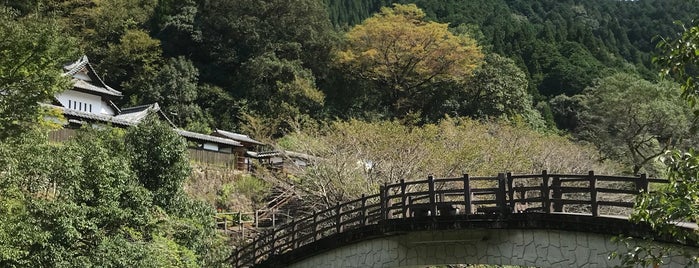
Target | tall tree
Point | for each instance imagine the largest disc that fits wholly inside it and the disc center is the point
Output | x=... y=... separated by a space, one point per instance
x=32 y=50
x=175 y=87
x=164 y=179
x=403 y=53
x=678 y=200
x=499 y=89
x=634 y=120
x=282 y=91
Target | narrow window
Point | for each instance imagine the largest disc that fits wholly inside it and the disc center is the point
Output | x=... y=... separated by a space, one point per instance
x=90 y=107
x=70 y=104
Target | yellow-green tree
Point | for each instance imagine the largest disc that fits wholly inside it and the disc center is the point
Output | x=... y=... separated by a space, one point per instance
x=406 y=55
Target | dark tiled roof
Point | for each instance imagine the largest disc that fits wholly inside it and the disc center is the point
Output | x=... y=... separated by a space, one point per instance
x=98 y=87
x=80 y=84
x=91 y=116
x=133 y=117
x=137 y=113
x=236 y=136
x=204 y=137
x=280 y=153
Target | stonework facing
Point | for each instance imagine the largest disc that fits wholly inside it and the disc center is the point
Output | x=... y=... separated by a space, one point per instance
x=537 y=248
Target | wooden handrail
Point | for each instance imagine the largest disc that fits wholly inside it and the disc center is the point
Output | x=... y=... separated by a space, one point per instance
x=422 y=198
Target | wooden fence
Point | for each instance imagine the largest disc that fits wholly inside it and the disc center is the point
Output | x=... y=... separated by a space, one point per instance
x=61 y=135
x=227 y=160
x=506 y=193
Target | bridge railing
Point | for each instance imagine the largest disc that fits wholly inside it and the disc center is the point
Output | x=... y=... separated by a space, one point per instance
x=506 y=193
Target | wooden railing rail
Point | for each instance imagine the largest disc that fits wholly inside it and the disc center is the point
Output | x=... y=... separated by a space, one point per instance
x=503 y=194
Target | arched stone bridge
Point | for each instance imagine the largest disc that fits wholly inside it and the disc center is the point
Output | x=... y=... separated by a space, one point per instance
x=543 y=220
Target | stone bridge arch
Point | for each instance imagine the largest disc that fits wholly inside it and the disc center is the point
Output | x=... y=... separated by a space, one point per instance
x=524 y=247
x=466 y=220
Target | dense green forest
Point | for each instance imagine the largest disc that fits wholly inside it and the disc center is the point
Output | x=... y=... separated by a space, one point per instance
x=232 y=64
x=408 y=88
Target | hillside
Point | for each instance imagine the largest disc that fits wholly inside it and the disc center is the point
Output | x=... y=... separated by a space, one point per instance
x=562 y=45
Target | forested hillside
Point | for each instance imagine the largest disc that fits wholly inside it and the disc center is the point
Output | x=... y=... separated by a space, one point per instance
x=375 y=90
x=562 y=45
x=230 y=64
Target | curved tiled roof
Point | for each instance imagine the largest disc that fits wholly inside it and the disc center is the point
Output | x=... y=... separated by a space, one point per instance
x=236 y=136
x=92 y=116
x=100 y=87
x=204 y=137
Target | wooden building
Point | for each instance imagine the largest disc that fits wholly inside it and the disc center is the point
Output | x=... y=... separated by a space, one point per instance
x=92 y=102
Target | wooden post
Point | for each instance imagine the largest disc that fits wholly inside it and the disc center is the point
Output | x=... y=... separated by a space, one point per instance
x=237 y=258
x=433 y=203
x=315 y=226
x=642 y=184
x=240 y=224
x=389 y=203
x=500 y=195
x=382 y=200
x=363 y=211
x=273 y=237
x=511 y=190
x=545 y=197
x=338 y=218
x=274 y=213
x=593 y=194
x=467 y=194
x=254 y=250
x=257 y=220
x=557 y=195
x=404 y=199
x=294 y=245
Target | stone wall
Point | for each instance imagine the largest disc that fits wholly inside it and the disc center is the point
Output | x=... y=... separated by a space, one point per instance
x=525 y=247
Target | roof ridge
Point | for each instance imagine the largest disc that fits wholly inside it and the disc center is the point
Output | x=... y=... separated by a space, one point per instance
x=73 y=68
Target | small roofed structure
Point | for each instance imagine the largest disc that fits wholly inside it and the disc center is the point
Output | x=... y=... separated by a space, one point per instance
x=208 y=142
x=282 y=160
x=251 y=146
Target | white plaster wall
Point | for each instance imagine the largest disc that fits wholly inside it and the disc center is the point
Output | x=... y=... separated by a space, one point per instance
x=98 y=106
x=210 y=146
x=538 y=248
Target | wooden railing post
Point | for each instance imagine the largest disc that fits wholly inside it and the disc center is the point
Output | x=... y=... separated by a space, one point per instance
x=273 y=236
x=294 y=243
x=315 y=226
x=511 y=191
x=467 y=195
x=593 y=194
x=545 y=195
x=363 y=211
x=383 y=198
x=404 y=198
x=257 y=219
x=432 y=195
x=274 y=218
x=387 y=202
x=642 y=184
x=557 y=195
x=254 y=250
x=338 y=218
x=501 y=193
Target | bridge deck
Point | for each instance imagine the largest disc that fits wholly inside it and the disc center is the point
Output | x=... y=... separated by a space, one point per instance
x=586 y=203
